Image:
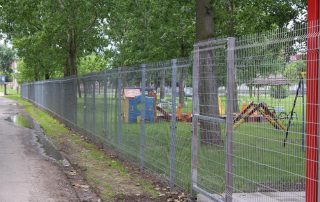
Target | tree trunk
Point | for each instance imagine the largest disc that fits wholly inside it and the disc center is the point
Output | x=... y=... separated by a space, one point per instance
x=184 y=53
x=71 y=68
x=250 y=90
x=66 y=69
x=231 y=33
x=72 y=53
x=208 y=95
x=46 y=76
x=162 y=85
x=36 y=74
x=181 y=88
x=5 y=89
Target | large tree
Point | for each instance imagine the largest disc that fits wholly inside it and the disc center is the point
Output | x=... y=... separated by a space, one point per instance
x=233 y=18
x=208 y=81
x=62 y=30
x=7 y=56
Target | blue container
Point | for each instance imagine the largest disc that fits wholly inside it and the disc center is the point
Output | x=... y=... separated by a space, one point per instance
x=135 y=109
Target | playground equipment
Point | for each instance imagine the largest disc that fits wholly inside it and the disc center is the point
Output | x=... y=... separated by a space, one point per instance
x=131 y=106
x=300 y=88
x=183 y=117
x=186 y=117
x=222 y=110
x=261 y=109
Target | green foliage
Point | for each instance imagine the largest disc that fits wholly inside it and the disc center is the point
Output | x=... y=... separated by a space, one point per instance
x=150 y=30
x=7 y=56
x=293 y=70
x=24 y=74
x=279 y=92
x=51 y=35
x=92 y=63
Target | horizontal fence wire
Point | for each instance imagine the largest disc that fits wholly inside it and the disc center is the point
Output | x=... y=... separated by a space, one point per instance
x=260 y=91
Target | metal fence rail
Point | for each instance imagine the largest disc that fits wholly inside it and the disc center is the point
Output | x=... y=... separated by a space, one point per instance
x=237 y=122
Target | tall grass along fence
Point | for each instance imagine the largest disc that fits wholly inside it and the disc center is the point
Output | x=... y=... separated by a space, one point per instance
x=237 y=122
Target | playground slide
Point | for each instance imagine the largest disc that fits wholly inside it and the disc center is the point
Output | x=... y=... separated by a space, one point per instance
x=263 y=110
x=270 y=117
x=166 y=115
x=245 y=114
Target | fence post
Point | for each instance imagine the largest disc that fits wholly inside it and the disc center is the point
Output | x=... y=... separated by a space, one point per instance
x=75 y=94
x=105 y=105
x=142 y=126
x=318 y=135
x=85 y=104
x=173 y=124
x=230 y=99
x=195 y=112
x=94 y=106
x=61 y=107
x=119 y=108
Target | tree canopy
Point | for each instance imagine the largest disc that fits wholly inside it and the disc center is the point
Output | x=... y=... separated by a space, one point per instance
x=7 y=56
x=53 y=36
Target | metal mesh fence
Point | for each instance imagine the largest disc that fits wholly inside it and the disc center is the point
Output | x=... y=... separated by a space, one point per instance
x=255 y=122
x=133 y=110
x=238 y=122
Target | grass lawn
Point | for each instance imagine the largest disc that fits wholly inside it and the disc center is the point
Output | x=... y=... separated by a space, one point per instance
x=260 y=161
x=105 y=174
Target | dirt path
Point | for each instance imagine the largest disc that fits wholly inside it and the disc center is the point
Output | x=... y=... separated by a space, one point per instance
x=25 y=174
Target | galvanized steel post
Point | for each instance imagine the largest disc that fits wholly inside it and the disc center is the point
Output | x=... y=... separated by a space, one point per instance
x=230 y=101
x=142 y=126
x=105 y=105
x=94 y=106
x=85 y=105
x=119 y=108
x=173 y=124
x=61 y=107
x=195 y=113
x=75 y=88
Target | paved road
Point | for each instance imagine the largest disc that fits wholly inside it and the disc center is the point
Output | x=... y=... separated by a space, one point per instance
x=25 y=174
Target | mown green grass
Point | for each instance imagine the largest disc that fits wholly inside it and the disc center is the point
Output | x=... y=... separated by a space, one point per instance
x=105 y=174
x=259 y=157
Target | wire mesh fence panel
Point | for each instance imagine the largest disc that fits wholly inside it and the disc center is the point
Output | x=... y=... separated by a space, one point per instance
x=99 y=107
x=158 y=117
x=112 y=120
x=131 y=107
x=269 y=123
x=80 y=103
x=209 y=152
x=69 y=97
x=182 y=141
x=239 y=122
